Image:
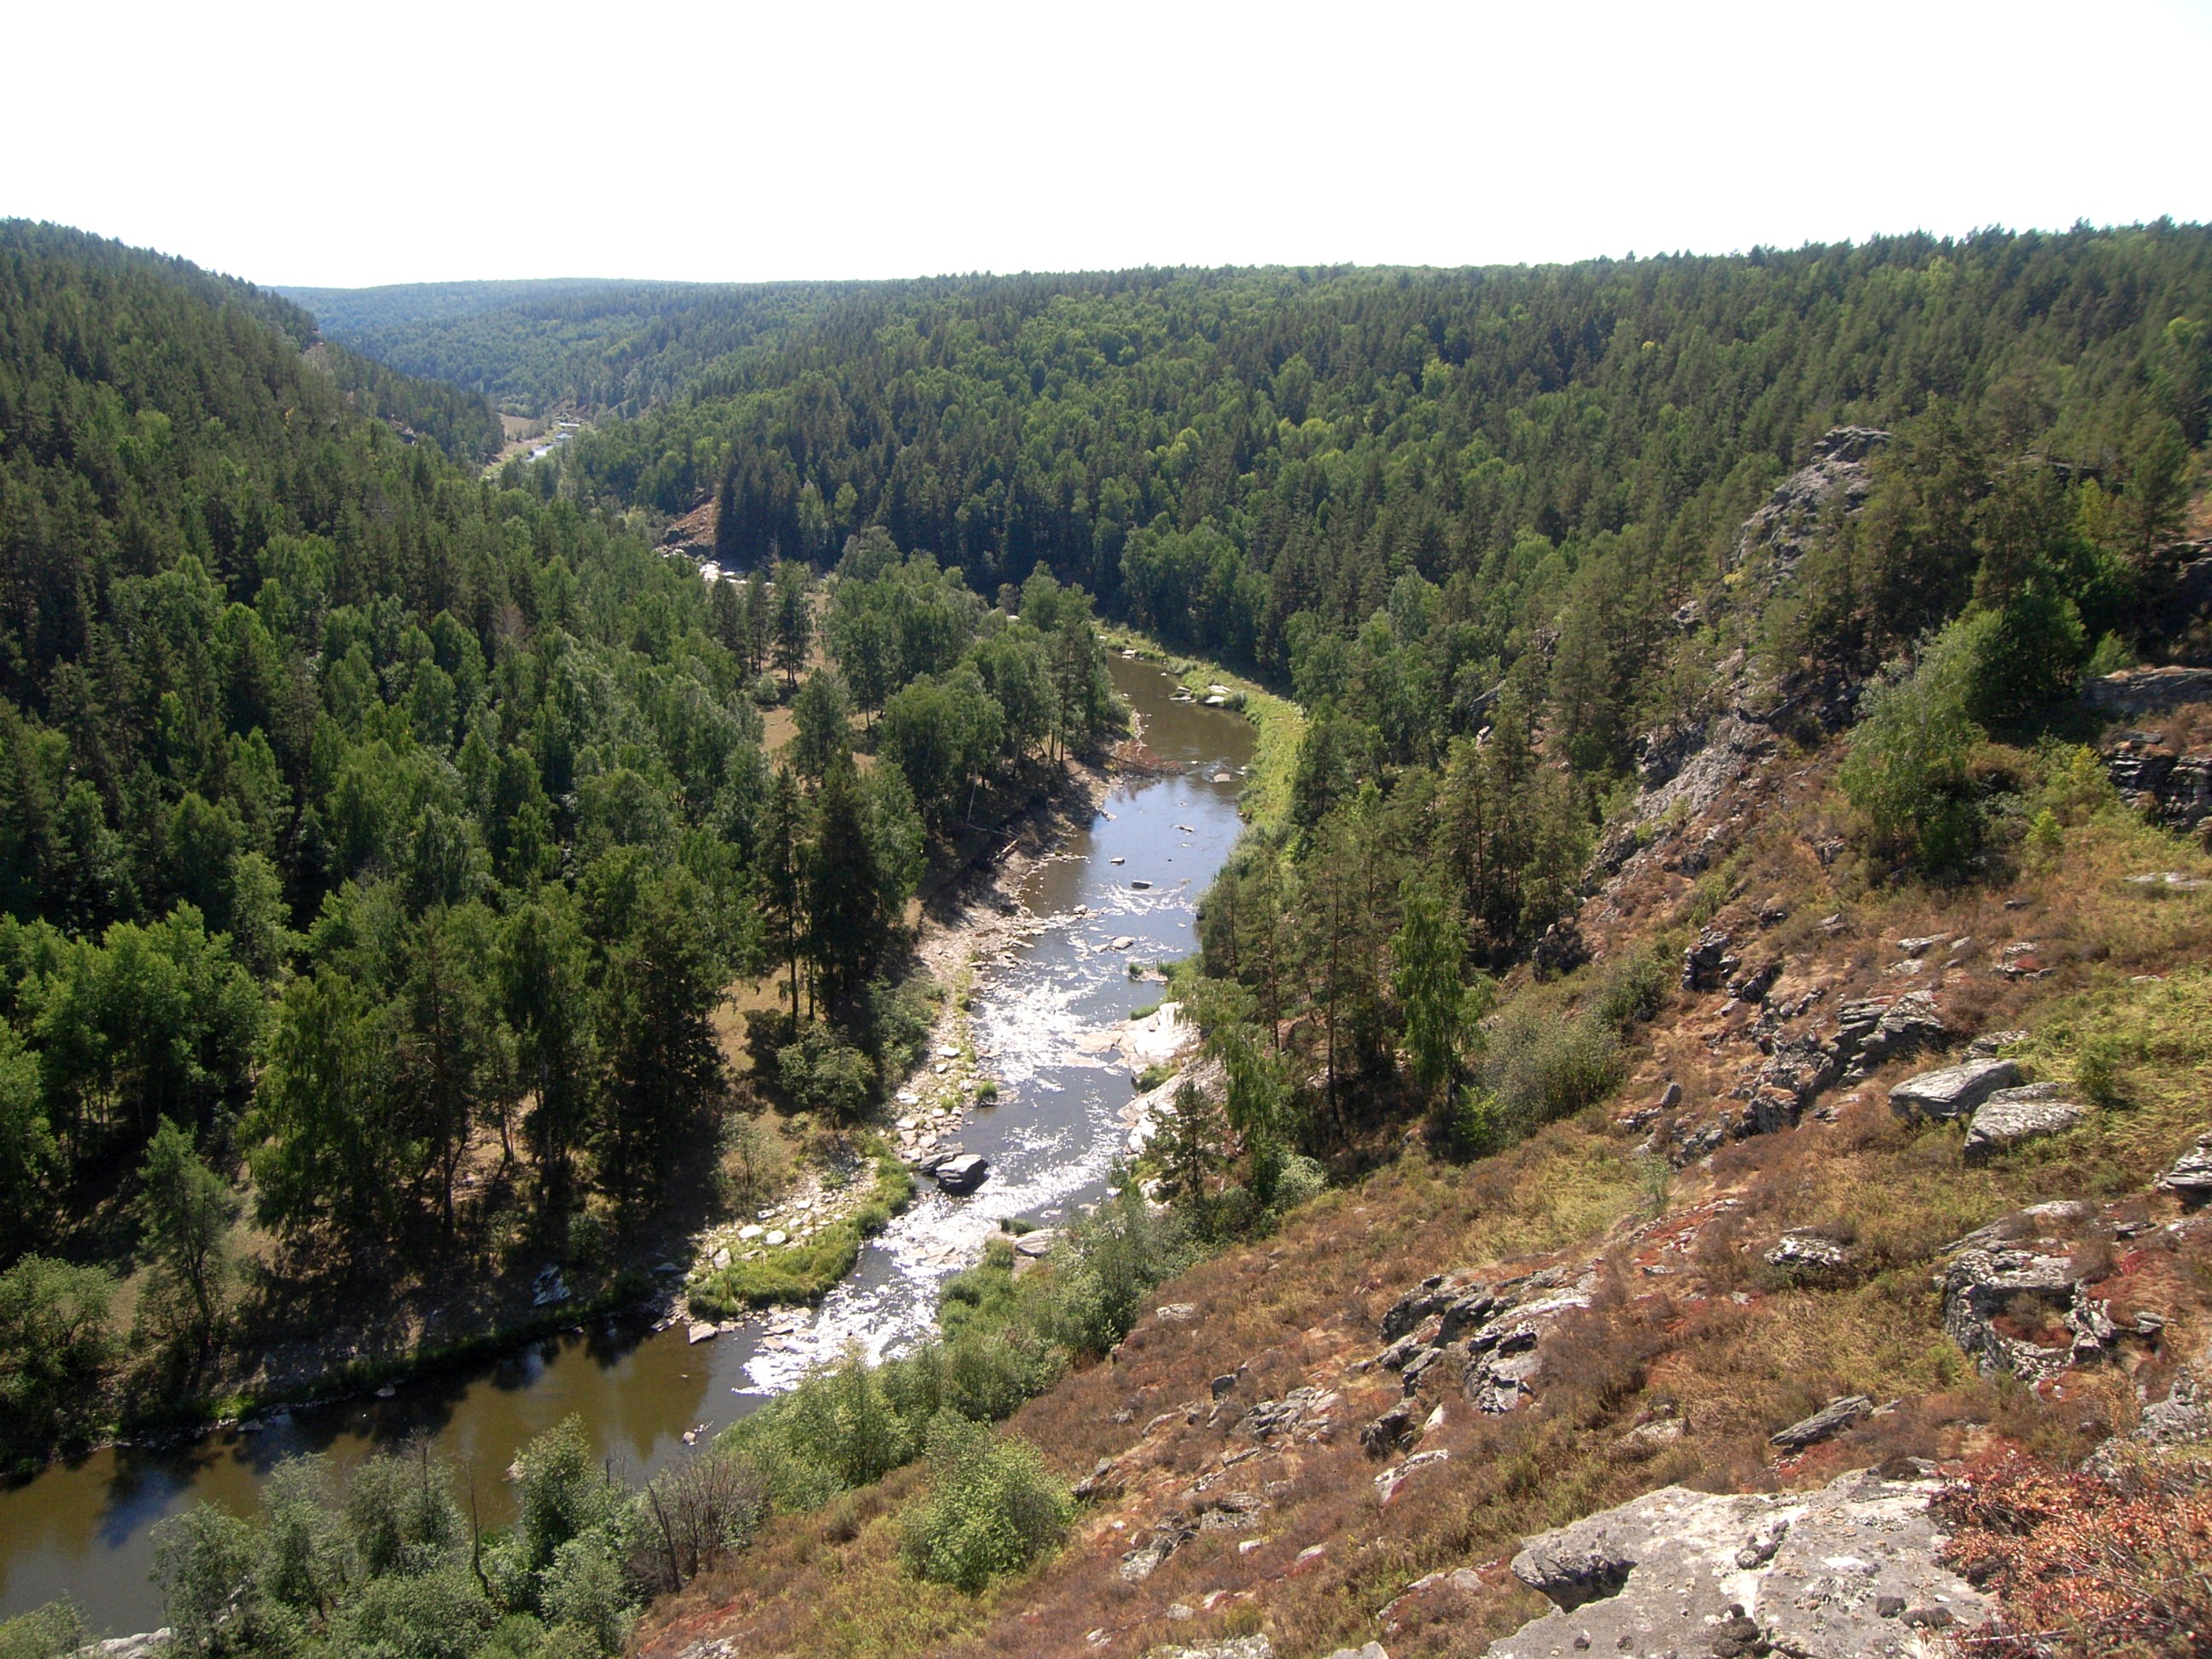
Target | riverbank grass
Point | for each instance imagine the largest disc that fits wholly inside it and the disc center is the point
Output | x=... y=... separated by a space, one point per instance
x=804 y=1270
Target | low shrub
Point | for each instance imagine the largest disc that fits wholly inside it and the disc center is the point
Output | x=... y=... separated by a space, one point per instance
x=992 y=1508
x=2087 y=1565
x=52 y=1632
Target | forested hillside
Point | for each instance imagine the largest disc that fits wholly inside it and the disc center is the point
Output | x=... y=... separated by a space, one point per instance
x=376 y=842
x=563 y=343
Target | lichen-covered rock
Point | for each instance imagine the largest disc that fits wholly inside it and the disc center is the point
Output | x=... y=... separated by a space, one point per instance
x=1953 y=1090
x=1807 y=1253
x=2011 y=1116
x=2022 y=1309
x=1871 y=1033
x=1850 y=1571
x=1496 y=1330
x=1832 y=1418
x=1240 y=1647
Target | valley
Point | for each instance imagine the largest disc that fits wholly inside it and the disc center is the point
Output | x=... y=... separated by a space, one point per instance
x=1244 y=963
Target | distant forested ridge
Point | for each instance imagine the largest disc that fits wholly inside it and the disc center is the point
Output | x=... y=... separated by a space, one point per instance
x=564 y=343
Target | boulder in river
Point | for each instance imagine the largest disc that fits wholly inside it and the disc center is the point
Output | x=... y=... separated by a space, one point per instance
x=963 y=1174
x=1138 y=886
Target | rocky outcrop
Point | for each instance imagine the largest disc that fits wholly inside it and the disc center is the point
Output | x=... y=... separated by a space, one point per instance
x=2015 y=1300
x=2011 y=1117
x=2171 y=785
x=1831 y=1419
x=147 y=1644
x=2191 y=1177
x=1871 y=1033
x=1832 y=482
x=1849 y=1571
x=1807 y=1253
x=1953 y=1090
x=1706 y=963
x=1494 y=1332
x=2148 y=691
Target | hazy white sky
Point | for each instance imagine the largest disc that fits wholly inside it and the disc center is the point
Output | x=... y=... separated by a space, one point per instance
x=314 y=144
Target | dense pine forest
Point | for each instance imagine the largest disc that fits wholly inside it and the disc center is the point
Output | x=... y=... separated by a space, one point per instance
x=376 y=843
x=1505 y=505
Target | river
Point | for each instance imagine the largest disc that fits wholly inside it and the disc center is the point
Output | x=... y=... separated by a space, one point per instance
x=80 y=1529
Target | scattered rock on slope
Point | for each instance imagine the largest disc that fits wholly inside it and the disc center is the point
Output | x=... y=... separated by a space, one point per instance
x=2191 y=1177
x=2011 y=1116
x=1849 y=1571
x=1808 y=1252
x=2015 y=1302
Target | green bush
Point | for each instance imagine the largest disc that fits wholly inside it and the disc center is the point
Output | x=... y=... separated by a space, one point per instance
x=53 y=1631
x=1112 y=1261
x=1907 y=772
x=821 y=1074
x=992 y=1508
x=54 y=1344
x=1542 y=1065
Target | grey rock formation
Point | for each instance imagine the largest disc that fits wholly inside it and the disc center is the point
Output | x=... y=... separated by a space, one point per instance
x=2011 y=1116
x=1953 y=1090
x=1832 y=1418
x=1849 y=1571
x=2171 y=785
x=2185 y=1416
x=2148 y=691
x=147 y=1644
x=1495 y=1331
x=2191 y=1177
x=1240 y=1647
x=1832 y=482
x=2024 y=1286
x=1871 y=1033
x=1707 y=963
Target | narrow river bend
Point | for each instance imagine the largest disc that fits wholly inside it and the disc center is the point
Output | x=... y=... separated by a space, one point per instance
x=80 y=1529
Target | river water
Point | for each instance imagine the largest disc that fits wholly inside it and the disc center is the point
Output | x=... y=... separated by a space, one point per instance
x=80 y=1529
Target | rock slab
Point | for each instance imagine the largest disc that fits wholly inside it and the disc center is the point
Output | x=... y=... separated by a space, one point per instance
x=1953 y=1090
x=1849 y=1571
x=2010 y=1116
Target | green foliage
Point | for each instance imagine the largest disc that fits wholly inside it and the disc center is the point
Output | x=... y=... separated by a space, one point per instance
x=1116 y=1256
x=55 y=1631
x=385 y=1564
x=993 y=1509
x=1907 y=773
x=189 y=1209
x=54 y=1344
